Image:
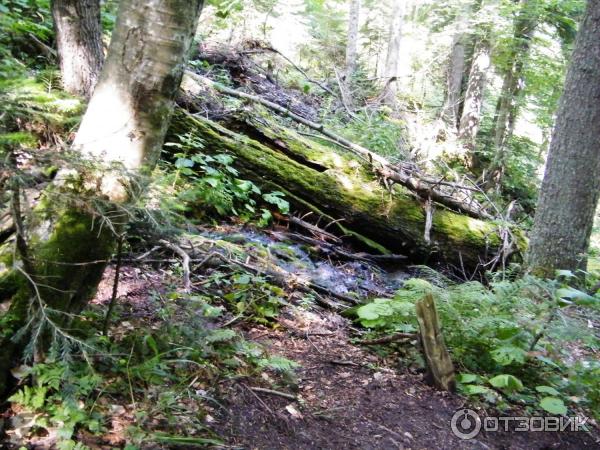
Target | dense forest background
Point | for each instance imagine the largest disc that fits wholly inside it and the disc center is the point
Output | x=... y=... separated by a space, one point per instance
x=249 y=223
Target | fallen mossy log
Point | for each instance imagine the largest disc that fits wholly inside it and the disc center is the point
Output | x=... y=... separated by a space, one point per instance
x=423 y=186
x=337 y=186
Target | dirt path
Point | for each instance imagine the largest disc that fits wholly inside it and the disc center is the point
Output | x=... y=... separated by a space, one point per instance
x=348 y=400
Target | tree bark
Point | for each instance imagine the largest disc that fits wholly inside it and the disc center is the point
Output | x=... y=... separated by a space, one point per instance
x=79 y=43
x=124 y=128
x=471 y=115
x=392 y=61
x=454 y=81
x=352 y=40
x=512 y=85
x=571 y=186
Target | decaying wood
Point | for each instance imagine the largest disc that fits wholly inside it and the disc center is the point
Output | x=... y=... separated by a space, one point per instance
x=439 y=365
x=421 y=185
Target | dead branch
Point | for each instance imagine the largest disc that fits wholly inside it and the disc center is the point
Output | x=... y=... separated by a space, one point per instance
x=185 y=262
x=295 y=66
x=313 y=229
x=274 y=392
x=428 y=220
x=388 y=339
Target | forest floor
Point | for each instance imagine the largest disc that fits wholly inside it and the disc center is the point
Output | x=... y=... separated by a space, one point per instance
x=351 y=399
x=342 y=396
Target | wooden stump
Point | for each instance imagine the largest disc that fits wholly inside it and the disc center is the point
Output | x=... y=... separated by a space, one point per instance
x=439 y=365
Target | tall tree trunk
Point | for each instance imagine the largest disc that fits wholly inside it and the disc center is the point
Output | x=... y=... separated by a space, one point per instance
x=454 y=81
x=351 y=51
x=512 y=85
x=352 y=40
x=79 y=42
x=124 y=125
x=471 y=114
x=392 y=61
x=571 y=187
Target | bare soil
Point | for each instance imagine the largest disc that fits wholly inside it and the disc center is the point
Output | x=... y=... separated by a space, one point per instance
x=348 y=398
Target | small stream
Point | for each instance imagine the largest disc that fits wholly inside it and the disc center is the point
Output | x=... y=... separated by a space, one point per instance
x=364 y=279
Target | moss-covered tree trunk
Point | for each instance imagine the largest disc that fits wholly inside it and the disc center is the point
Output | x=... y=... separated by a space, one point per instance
x=571 y=188
x=70 y=238
x=336 y=185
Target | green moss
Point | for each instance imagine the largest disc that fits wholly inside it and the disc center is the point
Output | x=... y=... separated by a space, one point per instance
x=76 y=239
x=18 y=139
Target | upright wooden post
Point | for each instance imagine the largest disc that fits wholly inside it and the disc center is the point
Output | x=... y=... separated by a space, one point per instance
x=439 y=365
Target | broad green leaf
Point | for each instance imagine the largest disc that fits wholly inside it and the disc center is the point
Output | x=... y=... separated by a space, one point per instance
x=373 y=311
x=184 y=162
x=506 y=382
x=577 y=296
x=466 y=378
x=475 y=389
x=553 y=405
x=224 y=159
x=547 y=390
x=509 y=354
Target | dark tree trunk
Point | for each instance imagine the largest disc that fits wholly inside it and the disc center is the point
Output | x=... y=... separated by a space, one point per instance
x=79 y=42
x=454 y=81
x=124 y=126
x=571 y=187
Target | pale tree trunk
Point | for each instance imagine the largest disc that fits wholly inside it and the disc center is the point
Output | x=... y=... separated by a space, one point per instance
x=471 y=114
x=79 y=43
x=352 y=41
x=124 y=126
x=351 y=52
x=569 y=195
x=512 y=85
x=392 y=61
